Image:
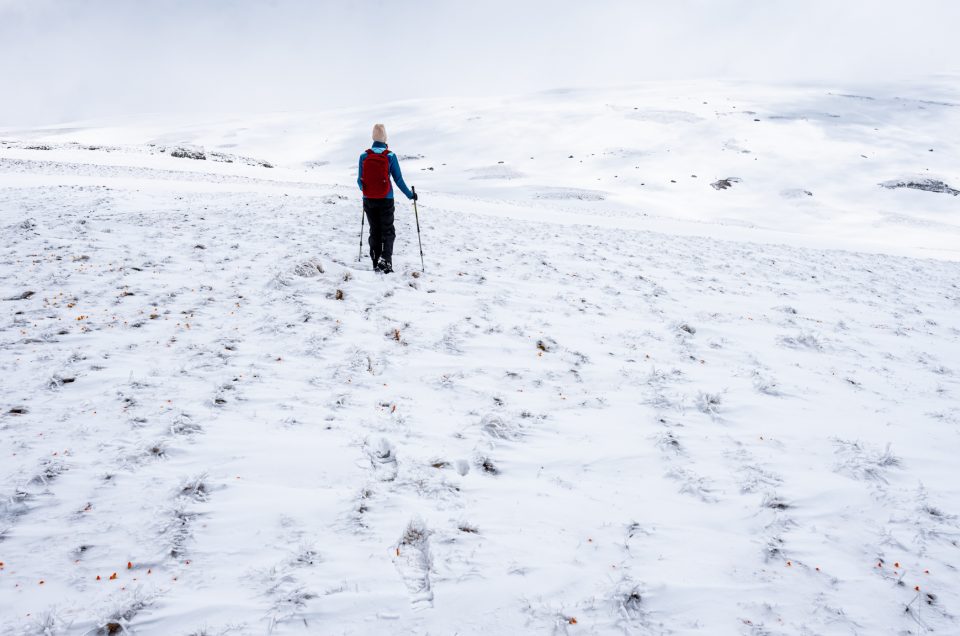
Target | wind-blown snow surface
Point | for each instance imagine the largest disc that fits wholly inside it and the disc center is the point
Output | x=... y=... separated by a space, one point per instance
x=612 y=404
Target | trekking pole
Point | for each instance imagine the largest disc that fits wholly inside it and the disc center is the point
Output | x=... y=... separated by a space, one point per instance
x=360 y=255
x=417 y=217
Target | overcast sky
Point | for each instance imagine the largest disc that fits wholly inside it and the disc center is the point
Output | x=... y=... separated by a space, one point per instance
x=62 y=60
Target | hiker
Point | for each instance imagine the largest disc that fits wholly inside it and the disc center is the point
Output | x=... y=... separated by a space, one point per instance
x=377 y=165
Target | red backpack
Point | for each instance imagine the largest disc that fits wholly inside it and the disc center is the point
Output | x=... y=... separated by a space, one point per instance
x=376 y=175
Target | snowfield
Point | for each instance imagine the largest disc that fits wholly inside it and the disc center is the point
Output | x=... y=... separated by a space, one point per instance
x=685 y=359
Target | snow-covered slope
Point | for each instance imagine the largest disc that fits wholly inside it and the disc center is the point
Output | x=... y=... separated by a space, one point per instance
x=618 y=400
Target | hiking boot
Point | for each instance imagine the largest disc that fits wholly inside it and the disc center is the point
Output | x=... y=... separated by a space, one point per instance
x=376 y=264
x=385 y=266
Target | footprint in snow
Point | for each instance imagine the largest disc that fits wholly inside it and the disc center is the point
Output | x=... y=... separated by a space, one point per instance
x=413 y=562
x=383 y=459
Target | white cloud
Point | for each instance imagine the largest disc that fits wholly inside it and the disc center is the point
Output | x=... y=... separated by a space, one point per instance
x=62 y=59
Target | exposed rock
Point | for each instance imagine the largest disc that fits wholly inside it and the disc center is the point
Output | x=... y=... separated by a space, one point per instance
x=723 y=184
x=187 y=153
x=927 y=185
x=24 y=296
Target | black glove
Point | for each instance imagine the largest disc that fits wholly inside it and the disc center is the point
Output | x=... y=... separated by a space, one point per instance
x=414 y=197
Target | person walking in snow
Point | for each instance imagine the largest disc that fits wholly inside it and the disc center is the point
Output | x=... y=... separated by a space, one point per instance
x=377 y=165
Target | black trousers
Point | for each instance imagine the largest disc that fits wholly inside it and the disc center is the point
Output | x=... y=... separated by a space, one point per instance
x=380 y=217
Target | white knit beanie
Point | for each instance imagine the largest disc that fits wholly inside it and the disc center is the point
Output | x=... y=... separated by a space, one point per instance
x=380 y=133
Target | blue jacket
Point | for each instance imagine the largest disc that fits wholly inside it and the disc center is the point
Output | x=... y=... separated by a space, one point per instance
x=379 y=147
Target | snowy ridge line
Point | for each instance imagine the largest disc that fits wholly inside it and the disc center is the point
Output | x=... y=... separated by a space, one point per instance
x=71 y=168
x=912 y=100
x=188 y=151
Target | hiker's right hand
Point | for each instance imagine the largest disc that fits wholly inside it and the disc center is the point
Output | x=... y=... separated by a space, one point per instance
x=414 y=197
